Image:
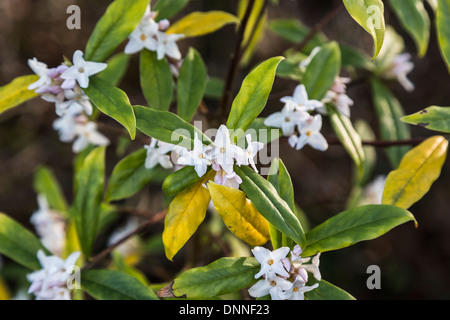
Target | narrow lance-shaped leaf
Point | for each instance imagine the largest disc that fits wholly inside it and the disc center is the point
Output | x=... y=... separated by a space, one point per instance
x=45 y=183
x=117 y=67
x=191 y=84
x=119 y=20
x=369 y=14
x=443 y=29
x=88 y=198
x=239 y=214
x=431 y=118
x=201 y=23
x=415 y=20
x=16 y=92
x=166 y=9
x=252 y=97
x=354 y=225
x=267 y=201
x=156 y=80
x=114 y=285
x=113 y=102
x=419 y=168
x=18 y=243
x=167 y=127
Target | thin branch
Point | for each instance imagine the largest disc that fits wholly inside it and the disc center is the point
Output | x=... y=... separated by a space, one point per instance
x=383 y=144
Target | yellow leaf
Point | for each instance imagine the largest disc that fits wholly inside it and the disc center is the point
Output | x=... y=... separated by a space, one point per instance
x=419 y=168
x=200 y=23
x=239 y=214
x=16 y=92
x=186 y=212
x=4 y=291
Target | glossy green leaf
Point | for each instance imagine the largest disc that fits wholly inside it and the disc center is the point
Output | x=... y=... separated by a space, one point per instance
x=354 y=225
x=415 y=20
x=432 y=118
x=19 y=244
x=117 y=67
x=252 y=97
x=156 y=80
x=267 y=201
x=349 y=138
x=167 y=127
x=389 y=112
x=114 y=285
x=323 y=69
x=130 y=175
x=16 y=92
x=327 y=291
x=88 y=197
x=443 y=29
x=166 y=9
x=119 y=20
x=418 y=170
x=353 y=57
x=201 y=23
x=225 y=275
x=113 y=102
x=180 y=180
x=369 y=14
x=44 y=182
x=191 y=84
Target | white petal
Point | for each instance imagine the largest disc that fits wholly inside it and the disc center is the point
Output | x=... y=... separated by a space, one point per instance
x=260 y=289
x=133 y=46
x=274 y=120
x=317 y=141
x=78 y=60
x=94 y=67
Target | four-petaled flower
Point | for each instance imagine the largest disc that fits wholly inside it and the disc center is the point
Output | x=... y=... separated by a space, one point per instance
x=271 y=262
x=287 y=119
x=310 y=134
x=196 y=157
x=80 y=71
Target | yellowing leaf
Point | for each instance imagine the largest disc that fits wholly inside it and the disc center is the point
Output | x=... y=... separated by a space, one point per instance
x=4 y=291
x=16 y=92
x=186 y=212
x=200 y=23
x=239 y=214
x=419 y=168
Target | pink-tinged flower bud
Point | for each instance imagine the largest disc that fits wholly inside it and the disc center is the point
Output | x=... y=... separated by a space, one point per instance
x=164 y=24
x=303 y=274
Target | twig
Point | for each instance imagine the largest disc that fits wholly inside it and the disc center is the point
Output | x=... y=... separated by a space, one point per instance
x=96 y=259
x=383 y=144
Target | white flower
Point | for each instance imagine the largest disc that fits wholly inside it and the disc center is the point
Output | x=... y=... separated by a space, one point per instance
x=76 y=103
x=87 y=134
x=251 y=151
x=271 y=262
x=224 y=152
x=310 y=134
x=49 y=283
x=297 y=290
x=167 y=45
x=399 y=69
x=301 y=101
x=158 y=155
x=274 y=287
x=305 y=63
x=373 y=192
x=196 y=157
x=227 y=179
x=41 y=70
x=65 y=125
x=130 y=246
x=287 y=119
x=143 y=37
x=81 y=71
x=338 y=97
x=314 y=267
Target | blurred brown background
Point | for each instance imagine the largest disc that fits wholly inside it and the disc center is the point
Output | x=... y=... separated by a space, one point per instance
x=414 y=262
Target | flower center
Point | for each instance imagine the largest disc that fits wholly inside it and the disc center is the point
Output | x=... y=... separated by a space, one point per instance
x=308 y=133
x=143 y=37
x=273 y=283
x=295 y=289
x=287 y=119
x=222 y=150
x=270 y=262
x=81 y=70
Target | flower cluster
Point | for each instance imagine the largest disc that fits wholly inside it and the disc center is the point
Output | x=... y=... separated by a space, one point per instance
x=158 y=153
x=50 y=225
x=150 y=35
x=222 y=155
x=63 y=87
x=50 y=283
x=284 y=278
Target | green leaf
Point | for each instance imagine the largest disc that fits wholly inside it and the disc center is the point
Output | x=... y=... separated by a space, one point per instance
x=443 y=29
x=415 y=20
x=180 y=180
x=201 y=23
x=349 y=138
x=327 y=291
x=419 y=168
x=166 y=9
x=130 y=175
x=114 y=285
x=16 y=92
x=156 y=80
x=19 y=244
x=117 y=67
x=353 y=57
x=432 y=118
x=389 y=112
x=354 y=225
x=369 y=14
x=113 y=102
x=88 y=197
x=45 y=183
x=225 y=275
x=167 y=127
x=267 y=201
x=119 y=20
x=252 y=97
x=191 y=84
x=323 y=69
